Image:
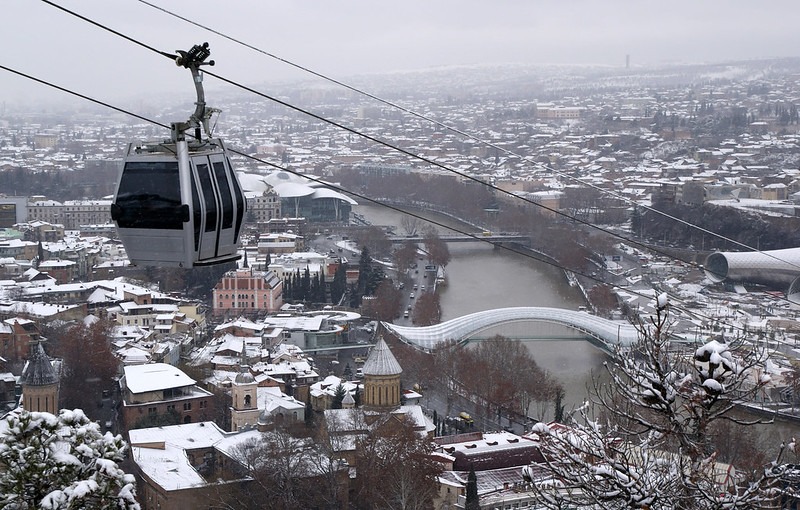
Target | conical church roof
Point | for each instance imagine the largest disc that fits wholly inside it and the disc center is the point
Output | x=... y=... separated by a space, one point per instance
x=381 y=361
x=39 y=371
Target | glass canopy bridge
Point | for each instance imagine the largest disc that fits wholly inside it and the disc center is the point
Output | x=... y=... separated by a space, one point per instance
x=605 y=332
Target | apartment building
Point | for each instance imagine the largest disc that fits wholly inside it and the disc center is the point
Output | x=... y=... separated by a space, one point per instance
x=158 y=391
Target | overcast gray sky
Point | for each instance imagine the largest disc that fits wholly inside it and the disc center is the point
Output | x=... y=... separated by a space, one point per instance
x=342 y=38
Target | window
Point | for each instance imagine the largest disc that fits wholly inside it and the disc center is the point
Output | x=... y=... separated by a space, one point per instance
x=148 y=196
x=187 y=406
x=208 y=197
x=152 y=410
x=247 y=400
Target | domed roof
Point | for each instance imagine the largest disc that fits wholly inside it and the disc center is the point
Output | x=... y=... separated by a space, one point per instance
x=244 y=378
x=381 y=361
x=39 y=371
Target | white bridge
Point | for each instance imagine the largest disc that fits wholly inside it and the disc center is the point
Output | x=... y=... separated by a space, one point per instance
x=606 y=332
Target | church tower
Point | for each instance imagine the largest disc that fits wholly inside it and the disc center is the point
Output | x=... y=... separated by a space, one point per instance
x=39 y=382
x=244 y=393
x=381 y=378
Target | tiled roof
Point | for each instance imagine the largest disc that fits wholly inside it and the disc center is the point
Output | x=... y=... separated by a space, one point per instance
x=381 y=361
x=39 y=370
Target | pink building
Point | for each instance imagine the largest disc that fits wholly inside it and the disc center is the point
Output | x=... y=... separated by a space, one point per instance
x=247 y=290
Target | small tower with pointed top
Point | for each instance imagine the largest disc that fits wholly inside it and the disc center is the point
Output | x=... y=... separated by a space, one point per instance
x=40 y=382
x=348 y=402
x=381 y=378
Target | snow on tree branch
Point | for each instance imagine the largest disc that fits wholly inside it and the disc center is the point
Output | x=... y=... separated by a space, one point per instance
x=59 y=462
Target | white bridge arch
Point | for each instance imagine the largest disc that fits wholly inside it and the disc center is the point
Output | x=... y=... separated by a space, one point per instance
x=607 y=332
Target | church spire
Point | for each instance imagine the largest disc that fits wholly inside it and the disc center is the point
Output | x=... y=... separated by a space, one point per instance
x=39 y=382
x=39 y=370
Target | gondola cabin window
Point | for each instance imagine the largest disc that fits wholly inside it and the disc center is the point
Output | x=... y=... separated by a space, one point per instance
x=149 y=196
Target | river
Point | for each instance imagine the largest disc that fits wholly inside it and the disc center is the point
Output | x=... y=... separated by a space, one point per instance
x=480 y=277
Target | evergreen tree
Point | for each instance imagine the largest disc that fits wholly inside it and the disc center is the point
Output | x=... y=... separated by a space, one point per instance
x=355 y=297
x=287 y=287
x=314 y=294
x=364 y=272
x=305 y=284
x=559 y=406
x=320 y=298
x=339 y=284
x=472 y=501
x=376 y=277
x=63 y=461
x=309 y=417
x=338 y=396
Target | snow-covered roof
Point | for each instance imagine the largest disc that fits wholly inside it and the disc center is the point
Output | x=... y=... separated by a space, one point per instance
x=381 y=361
x=160 y=452
x=293 y=190
x=155 y=377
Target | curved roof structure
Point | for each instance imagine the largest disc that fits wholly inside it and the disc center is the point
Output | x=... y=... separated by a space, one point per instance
x=287 y=185
x=773 y=267
x=329 y=193
x=463 y=328
x=279 y=176
x=293 y=189
x=253 y=183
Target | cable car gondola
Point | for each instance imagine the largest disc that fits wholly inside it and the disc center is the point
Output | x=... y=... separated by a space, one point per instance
x=178 y=202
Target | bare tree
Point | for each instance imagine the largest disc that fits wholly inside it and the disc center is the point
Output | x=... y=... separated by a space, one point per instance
x=792 y=377
x=286 y=472
x=375 y=239
x=387 y=303
x=646 y=440
x=395 y=468
x=410 y=224
x=89 y=365
x=602 y=298
x=427 y=310
x=438 y=253
x=504 y=374
x=447 y=362
x=405 y=256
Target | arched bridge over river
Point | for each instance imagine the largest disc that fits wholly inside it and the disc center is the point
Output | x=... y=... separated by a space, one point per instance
x=605 y=332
